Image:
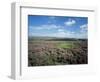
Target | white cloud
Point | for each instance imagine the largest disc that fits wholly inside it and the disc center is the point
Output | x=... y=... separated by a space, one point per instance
x=63 y=33
x=47 y=27
x=83 y=31
x=59 y=33
x=70 y=22
x=73 y=32
x=81 y=35
x=84 y=28
x=60 y=30
x=69 y=34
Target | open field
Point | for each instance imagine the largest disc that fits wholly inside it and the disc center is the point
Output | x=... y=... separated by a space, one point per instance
x=56 y=51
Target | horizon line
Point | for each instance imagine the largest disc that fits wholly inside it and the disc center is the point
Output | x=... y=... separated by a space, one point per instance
x=57 y=37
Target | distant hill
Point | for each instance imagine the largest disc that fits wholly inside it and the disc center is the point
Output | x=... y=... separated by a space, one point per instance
x=55 y=38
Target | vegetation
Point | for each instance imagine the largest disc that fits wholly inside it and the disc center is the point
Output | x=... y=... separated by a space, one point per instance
x=43 y=51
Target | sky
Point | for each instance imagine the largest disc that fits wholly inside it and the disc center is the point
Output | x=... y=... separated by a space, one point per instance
x=58 y=26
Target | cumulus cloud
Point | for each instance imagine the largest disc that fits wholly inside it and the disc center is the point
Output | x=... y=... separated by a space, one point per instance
x=83 y=31
x=64 y=33
x=70 y=22
x=84 y=28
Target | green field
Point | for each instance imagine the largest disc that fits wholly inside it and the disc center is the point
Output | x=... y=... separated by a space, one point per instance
x=66 y=44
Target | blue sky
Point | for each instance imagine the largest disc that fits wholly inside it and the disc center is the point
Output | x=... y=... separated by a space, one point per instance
x=58 y=26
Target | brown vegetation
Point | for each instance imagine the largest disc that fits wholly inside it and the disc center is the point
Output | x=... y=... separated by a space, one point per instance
x=43 y=53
